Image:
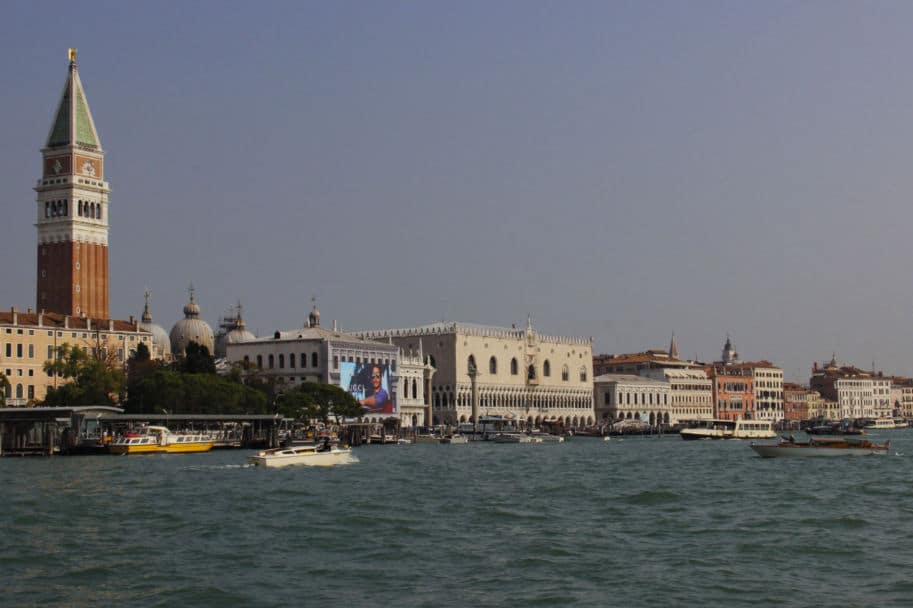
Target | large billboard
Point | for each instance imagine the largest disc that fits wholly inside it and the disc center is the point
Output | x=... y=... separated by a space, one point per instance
x=370 y=384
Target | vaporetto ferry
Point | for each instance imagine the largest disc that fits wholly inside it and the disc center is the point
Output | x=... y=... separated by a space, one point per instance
x=730 y=429
x=159 y=440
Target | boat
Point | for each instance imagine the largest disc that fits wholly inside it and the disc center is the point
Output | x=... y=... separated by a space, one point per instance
x=513 y=438
x=886 y=423
x=310 y=455
x=541 y=437
x=159 y=440
x=844 y=427
x=729 y=429
x=458 y=438
x=788 y=447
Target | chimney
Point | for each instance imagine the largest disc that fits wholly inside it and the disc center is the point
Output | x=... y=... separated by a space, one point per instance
x=41 y=318
x=66 y=321
x=15 y=315
x=88 y=323
x=110 y=324
x=29 y=310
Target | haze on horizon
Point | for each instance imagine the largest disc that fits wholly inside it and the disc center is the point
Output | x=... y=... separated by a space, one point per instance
x=618 y=170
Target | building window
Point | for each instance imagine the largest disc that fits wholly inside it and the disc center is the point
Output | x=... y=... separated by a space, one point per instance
x=9 y=349
x=18 y=391
x=281 y=361
x=471 y=363
x=31 y=392
x=19 y=350
x=565 y=375
x=547 y=369
x=259 y=361
x=583 y=374
x=272 y=361
x=314 y=360
x=291 y=360
x=492 y=366
x=304 y=360
x=414 y=386
x=513 y=367
x=50 y=352
x=31 y=351
x=335 y=362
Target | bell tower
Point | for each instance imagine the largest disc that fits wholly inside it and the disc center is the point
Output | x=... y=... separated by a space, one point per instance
x=73 y=210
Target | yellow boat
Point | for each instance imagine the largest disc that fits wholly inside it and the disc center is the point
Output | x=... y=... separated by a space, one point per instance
x=159 y=440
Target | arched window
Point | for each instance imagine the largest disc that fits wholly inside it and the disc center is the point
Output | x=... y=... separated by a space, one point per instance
x=546 y=369
x=471 y=364
x=18 y=391
x=99 y=210
x=47 y=209
x=314 y=359
x=66 y=208
x=492 y=366
x=565 y=374
x=513 y=367
x=291 y=360
x=583 y=374
x=259 y=361
x=414 y=387
x=531 y=372
x=272 y=361
x=304 y=360
x=281 y=361
x=246 y=361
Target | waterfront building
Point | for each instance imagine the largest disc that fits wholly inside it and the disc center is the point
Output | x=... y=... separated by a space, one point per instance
x=630 y=397
x=515 y=373
x=191 y=329
x=232 y=329
x=72 y=211
x=851 y=388
x=316 y=354
x=635 y=363
x=690 y=390
x=796 y=402
x=768 y=390
x=161 y=343
x=28 y=339
x=902 y=397
x=882 y=405
x=733 y=389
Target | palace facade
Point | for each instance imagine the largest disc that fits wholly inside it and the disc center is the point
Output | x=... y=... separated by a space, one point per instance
x=518 y=374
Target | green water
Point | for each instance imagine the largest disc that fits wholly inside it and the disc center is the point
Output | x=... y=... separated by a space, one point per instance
x=639 y=522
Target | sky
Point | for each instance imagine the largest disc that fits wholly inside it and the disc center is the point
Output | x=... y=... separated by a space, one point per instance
x=619 y=170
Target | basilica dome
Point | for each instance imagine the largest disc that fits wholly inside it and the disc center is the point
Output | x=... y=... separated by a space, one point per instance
x=191 y=329
x=161 y=343
x=232 y=330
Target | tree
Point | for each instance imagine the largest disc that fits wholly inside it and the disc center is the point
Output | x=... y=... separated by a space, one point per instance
x=193 y=394
x=197 y=360
x=316 y=400
x=94 y=380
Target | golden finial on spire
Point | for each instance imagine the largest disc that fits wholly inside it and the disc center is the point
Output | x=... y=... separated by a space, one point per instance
x=72 y=54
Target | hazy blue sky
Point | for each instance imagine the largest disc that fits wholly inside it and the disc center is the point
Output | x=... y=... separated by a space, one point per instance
x=620 y=170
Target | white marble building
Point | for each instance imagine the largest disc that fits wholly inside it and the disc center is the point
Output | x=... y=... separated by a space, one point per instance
x=629 y=397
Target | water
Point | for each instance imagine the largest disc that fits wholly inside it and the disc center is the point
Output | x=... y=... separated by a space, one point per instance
x=638 y=522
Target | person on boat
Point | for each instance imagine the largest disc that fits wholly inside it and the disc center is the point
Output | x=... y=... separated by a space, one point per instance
x=379 y=401
x=326 y=445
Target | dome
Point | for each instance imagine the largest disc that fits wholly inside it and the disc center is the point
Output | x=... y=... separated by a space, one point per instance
x=232 y=330
x=191 y=329
x=161 y=343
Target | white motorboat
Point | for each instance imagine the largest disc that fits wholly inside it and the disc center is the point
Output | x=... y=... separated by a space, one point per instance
x=513 y=438
x=540 y=437
x=308 y=455
x=457 y=438
x=730 y=429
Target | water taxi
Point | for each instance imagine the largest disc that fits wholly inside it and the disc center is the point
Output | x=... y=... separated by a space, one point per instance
x=159 y=440
x=324 y=455
x=730 y=429
x=788 y=447
x=886 y=423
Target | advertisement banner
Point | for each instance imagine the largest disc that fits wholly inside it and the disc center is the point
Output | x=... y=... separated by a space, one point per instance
x=370 y=384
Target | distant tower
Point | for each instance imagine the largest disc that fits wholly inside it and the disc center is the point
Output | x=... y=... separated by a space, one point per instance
x=673 y=348
x=73 y=211
x=730 y=356
x=314 y=317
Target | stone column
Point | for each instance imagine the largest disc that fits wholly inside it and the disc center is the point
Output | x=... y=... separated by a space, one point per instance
x=473 y=374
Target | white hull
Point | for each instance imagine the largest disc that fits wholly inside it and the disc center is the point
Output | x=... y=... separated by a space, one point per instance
x=731 y=429
x=307 y=456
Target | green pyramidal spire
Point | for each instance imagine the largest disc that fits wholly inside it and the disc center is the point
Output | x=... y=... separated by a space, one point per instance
x=73 y=124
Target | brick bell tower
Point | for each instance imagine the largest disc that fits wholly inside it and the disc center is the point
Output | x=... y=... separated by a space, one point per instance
x=73 y=211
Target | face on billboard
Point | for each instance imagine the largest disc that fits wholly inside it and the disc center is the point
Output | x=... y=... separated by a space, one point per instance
x=369 y=383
